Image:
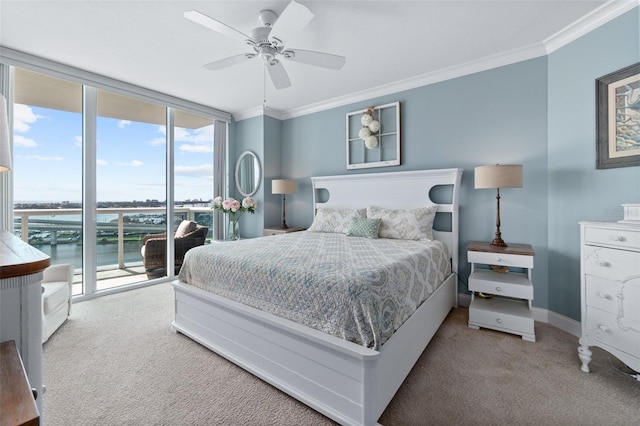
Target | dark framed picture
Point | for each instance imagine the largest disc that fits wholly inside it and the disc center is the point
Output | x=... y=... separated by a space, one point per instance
x=618 y=118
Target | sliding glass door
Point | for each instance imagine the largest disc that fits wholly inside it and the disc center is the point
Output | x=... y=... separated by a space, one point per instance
x=131 y=185
x=47 y=160
x=97 y=170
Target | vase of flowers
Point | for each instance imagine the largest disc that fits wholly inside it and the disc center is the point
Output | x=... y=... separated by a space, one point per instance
x=234 y=209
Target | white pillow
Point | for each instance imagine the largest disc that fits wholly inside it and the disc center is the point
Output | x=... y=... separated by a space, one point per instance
x=335 y=220
x=412 y=224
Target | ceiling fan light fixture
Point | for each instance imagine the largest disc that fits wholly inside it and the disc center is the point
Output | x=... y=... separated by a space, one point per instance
x=267 y=43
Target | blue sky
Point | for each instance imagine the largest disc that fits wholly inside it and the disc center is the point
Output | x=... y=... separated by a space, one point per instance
x=130 y=157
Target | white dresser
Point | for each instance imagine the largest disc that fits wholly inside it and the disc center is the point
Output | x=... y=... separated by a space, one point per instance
x=610 y=291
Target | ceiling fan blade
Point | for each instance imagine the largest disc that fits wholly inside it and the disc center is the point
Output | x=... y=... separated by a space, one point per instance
x=227 y=62
x=278 y=75
x=319 y=59
x=293 y=18
x=212 y=24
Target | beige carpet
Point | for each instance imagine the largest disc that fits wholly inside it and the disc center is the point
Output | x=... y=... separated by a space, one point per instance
x=116 y=362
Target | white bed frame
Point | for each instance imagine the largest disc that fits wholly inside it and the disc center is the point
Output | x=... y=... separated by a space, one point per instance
x=346 y=382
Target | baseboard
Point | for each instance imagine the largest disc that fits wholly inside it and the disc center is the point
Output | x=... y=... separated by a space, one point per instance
x=561 y=322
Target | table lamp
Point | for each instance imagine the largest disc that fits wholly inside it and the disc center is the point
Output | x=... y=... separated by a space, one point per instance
x=498 y=176
x=284 y=186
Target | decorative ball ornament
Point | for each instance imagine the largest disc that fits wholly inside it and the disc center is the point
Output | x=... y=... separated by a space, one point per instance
x=371 y=142
x=364 y=133
x=371 y=126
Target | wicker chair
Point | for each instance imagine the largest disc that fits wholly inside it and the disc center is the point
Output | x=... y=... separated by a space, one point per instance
x=188 y=236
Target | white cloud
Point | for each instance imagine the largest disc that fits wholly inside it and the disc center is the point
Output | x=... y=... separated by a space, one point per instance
x=43 y=158
x=157 y=141
x=195 y=148
x=133 y=163
x=100 y=162
x=203 y=170
x=19 y=140
x=78 y=141
x=23 y=117
x=123 y=123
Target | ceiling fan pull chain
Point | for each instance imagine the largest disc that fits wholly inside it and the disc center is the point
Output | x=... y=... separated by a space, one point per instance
x=264 y=85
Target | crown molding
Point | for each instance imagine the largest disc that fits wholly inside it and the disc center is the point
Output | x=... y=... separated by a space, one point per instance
x=600 y=16
x=486 y=63
x=257 y=112
x=572 y=32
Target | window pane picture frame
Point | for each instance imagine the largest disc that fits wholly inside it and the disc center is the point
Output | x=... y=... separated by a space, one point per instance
x=387 y=151
x=618 y=118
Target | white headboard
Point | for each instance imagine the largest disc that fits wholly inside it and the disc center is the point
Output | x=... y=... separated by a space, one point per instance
x=395 y=190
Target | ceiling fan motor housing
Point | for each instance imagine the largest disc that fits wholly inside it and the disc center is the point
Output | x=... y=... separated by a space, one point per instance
x=268 y=17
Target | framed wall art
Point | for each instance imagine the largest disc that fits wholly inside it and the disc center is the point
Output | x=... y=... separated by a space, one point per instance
x=373 y=137
x=618 y=118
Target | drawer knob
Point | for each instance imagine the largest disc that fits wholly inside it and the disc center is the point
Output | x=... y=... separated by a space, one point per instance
x=498 y=288
x=618 y=238
x=604 y=263
x=604 y=328
x=499 y=320
x=604 y=295
x=498 y=259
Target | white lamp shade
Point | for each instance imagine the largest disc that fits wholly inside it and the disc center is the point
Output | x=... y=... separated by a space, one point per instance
x=284 y=186
x=5 y=147
x=498 y=176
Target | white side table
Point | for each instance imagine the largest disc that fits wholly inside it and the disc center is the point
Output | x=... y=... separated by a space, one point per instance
x=506 y=299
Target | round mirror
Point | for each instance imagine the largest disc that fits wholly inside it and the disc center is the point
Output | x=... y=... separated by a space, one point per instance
x=248 y=174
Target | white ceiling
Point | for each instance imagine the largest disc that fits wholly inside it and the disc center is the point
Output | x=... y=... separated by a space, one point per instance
x=389 y=45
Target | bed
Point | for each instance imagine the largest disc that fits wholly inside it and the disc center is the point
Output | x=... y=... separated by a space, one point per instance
x=341 y=375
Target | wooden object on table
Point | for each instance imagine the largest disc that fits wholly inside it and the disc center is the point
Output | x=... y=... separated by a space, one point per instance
x=277 y=231
x=509 y=309
x=21 y=271
x=610 y=291
x=17 y=405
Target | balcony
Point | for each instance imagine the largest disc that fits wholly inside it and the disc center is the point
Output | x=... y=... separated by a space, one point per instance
x=119 y=233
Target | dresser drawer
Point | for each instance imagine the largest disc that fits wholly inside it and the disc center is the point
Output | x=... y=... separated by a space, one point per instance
x=622 y=334
x=515 y=260
x=510 y=284
x=611 y=263
x=614 y=297
x=613 y=237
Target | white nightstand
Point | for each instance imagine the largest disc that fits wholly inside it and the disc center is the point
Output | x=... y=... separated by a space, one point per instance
x=508 y=305
x=277 y=231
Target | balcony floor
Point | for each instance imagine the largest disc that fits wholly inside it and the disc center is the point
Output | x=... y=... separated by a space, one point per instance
x=112 y=277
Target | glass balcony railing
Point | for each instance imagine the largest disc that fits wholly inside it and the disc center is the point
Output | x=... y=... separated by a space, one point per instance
x=119 y=233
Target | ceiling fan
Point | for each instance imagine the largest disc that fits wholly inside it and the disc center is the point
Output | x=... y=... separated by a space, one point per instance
x=267 y=42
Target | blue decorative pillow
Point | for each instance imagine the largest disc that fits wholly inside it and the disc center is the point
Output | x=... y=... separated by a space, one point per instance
x=362 y=227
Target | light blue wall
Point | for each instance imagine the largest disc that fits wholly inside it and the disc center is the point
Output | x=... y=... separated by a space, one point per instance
x=248 y=135
x=539 y=113
x=577 y=191
x=498 y=116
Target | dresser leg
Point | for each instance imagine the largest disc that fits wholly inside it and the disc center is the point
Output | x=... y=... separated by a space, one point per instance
x=585 y=356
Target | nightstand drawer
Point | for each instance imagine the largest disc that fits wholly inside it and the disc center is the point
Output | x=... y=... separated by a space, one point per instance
x=612 y=237
x=502 y=314
x=611 y=263
x=503 y=284
x=608 y=329
x=515 y=260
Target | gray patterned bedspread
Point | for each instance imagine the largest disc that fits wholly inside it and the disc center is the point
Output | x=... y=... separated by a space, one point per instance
x=358 y=289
